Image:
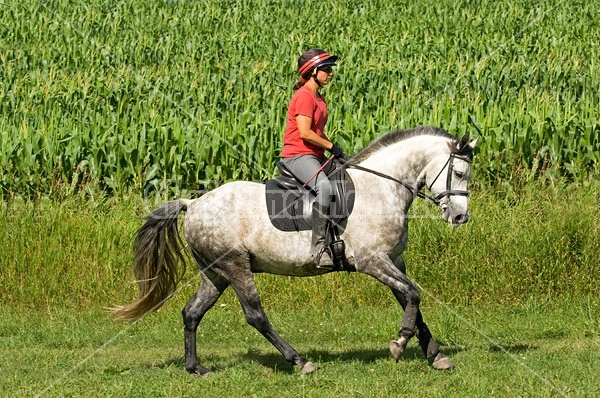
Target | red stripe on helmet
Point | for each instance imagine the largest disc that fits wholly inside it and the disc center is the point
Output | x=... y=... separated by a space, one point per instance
x=314 y=61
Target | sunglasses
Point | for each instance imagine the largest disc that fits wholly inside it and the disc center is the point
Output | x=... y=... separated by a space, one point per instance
x=326 y=69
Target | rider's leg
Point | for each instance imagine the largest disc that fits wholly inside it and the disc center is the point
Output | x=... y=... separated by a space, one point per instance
x=319 y=250
x=305 y=167
x=320 y=216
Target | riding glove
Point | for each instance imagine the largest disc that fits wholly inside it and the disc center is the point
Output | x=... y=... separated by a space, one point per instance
x=337 y=151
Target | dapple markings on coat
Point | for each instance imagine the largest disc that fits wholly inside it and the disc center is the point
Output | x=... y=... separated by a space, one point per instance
x=230 y=237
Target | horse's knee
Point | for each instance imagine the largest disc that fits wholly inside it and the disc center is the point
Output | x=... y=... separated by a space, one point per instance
x=399 y=263
x=413 y=297
x=411 y=312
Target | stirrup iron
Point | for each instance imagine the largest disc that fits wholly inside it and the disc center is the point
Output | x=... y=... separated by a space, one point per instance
x=319 y=256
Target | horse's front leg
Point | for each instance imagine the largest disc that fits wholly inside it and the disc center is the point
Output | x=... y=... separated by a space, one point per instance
x=430 y=347
x=383 y=269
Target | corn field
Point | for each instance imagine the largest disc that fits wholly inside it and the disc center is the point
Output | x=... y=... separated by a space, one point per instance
x=121 y=96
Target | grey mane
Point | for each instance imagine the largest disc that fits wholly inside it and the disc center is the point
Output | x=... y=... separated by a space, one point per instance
x=400 y=135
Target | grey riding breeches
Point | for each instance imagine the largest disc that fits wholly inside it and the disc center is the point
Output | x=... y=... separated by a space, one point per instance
x=304 y=167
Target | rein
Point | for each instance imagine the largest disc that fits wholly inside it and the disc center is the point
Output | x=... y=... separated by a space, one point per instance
x=318 y=171
x=433 y=199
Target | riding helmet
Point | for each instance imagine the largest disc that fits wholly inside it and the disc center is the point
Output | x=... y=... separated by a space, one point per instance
x=315 y=58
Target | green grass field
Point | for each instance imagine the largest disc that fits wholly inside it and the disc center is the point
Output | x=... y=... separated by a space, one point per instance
x=528 y=350
x=512 y=296
x=104 y=104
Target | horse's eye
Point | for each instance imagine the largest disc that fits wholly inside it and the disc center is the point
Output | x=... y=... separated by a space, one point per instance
x=459 y=174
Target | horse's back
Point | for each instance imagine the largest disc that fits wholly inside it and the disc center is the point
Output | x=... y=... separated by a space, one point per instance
x=232 y=220
x=227 y=207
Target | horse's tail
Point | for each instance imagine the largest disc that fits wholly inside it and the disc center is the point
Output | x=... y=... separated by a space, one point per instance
x=158 y=263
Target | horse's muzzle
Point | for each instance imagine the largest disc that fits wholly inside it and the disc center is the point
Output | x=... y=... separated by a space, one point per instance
x=460 y=219
x=456 y=220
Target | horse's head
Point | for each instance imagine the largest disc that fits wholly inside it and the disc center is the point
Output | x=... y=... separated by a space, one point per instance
x=447 y=177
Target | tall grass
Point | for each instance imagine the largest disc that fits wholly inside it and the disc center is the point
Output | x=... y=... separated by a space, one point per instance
x=118 y=96
x=539 y=242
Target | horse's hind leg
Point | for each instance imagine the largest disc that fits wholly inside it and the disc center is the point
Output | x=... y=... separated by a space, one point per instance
x=245 y=289
x=430 y=347
x=206 y=296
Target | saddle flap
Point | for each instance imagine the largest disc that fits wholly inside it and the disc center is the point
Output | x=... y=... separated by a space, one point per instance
x=342 y=200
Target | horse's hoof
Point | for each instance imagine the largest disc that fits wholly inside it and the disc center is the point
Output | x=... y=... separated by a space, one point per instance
x=442 y=362
x=397 y=347
x=308 y=368
x=200 y=371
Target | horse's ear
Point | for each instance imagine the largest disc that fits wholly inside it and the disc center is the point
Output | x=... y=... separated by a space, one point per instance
x=463 y=141
x=473 y=143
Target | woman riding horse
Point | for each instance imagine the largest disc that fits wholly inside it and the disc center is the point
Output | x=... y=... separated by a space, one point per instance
x=230 y=236
x=305 y=142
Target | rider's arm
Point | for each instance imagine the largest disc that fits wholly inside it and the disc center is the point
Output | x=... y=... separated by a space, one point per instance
x=307 y=134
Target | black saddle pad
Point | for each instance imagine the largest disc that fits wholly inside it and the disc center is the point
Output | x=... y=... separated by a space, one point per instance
x=284 y=207
x=290 y=206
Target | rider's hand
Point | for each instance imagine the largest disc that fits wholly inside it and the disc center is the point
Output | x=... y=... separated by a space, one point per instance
x=337 y=151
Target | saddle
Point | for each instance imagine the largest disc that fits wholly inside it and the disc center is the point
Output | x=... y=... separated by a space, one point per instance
x=289 y=204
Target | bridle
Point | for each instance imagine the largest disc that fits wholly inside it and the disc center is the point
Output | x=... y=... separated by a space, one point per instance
x=449 y=191
x=437 y=200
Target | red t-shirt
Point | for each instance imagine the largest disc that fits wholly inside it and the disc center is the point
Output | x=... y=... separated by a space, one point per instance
x=304 y=103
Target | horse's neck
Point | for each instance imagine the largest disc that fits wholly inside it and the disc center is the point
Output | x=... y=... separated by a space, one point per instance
x=406 y=160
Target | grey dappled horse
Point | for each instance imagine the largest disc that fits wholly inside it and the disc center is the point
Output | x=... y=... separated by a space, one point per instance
x=230 y=237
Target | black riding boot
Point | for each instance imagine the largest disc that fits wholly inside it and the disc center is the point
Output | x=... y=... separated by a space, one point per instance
x=319 y=249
